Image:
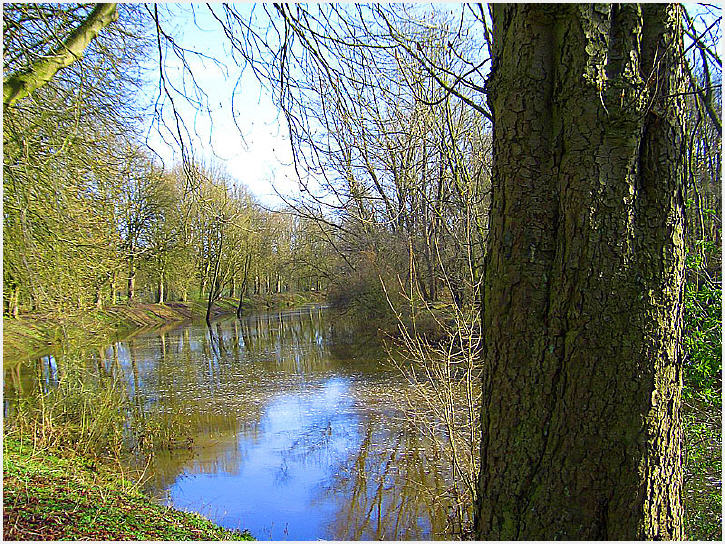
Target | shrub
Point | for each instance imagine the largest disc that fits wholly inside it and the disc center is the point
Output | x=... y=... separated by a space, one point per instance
x=702 y=336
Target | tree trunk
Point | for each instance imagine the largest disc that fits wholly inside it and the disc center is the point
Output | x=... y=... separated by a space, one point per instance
x=131 y=283
x=241 y=302
x=202 y=287
x=210 y=305
x=15 y=302
x=582 y=299
x=204 y=278
x=215 y=287
x=243 y=289
x=161 y=287
x=113 y=289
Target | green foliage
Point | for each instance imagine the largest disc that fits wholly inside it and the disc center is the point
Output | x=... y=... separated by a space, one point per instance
x=702 y=438
x=702 y=341
x=370 y=289
x=362 y=293
x=702 y=393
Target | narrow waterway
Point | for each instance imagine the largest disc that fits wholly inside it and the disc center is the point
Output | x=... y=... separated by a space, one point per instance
x=288 y=424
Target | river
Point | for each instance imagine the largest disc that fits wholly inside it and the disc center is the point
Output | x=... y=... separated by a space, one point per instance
x=289 y=424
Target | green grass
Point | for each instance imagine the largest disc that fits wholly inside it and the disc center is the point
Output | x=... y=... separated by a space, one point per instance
x=49 y=495
x=702 y=438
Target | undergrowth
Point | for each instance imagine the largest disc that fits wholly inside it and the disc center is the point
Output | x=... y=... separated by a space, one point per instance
x=702 y=399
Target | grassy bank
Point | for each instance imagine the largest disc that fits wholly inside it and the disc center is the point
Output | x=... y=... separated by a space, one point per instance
x=32 y=334
x=47 y=496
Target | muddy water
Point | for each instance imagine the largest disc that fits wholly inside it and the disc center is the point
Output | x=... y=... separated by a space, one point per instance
x=287 y=424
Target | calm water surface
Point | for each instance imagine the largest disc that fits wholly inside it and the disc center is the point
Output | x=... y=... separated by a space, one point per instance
x=287 y=424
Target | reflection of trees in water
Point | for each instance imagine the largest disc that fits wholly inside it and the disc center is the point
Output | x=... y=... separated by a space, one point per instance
x=68 y=398
x=288 y=341
x=396 y=485
x=207 y=384
x=210 y=385
x=319 y=444
x=194 y=364
x=211 y=454
x=387 y=489
x=31 y=379
x=28 y=382
x=348 y=342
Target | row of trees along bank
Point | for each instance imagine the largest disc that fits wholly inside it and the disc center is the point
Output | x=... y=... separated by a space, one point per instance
x=124 y=229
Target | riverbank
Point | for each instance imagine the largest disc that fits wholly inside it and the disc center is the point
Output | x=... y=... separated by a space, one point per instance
x=48 y=495
x=32 y=334
x=50 y=491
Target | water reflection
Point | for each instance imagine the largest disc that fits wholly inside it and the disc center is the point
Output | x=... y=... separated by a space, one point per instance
x=285 y=424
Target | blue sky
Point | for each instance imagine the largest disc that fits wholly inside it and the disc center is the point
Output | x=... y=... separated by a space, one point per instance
x=256 y=150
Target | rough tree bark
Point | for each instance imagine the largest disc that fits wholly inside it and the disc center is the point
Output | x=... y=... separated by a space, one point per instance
x=582 y=299
x=131 y=283
x=21 y=84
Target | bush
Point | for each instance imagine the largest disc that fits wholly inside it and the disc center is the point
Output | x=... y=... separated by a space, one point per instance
x=702 y=337
x=375 y=284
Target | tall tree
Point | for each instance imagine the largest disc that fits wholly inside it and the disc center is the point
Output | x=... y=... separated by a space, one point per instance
x=582 y=297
